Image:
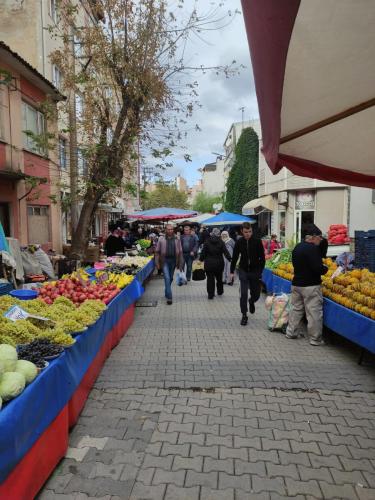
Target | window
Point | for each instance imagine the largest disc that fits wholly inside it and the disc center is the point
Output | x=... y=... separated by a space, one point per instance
x=81 y=162
x=78 y=47
x=2 y=113
x=62 y=153
x=56 y=76
x=33 y=124
x=54 y=10
x=79 y=106
x=38 y=210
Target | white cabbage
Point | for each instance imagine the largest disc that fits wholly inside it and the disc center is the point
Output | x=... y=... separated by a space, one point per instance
x=11 y=385
x=27 y=368
x=8 y=357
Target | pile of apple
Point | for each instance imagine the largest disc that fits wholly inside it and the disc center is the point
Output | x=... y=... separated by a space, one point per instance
x=77 y=291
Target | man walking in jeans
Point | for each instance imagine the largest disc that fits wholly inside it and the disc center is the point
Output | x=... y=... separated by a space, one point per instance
x=168 y=256
x=307 y=295
x=251 y=266
x=189 y=245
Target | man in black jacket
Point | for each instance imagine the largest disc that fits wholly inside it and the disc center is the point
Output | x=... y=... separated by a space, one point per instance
x=251 y=267
x=307 y=295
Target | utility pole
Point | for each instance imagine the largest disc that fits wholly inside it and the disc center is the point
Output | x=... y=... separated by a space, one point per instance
x=242 y=109
x=73 y=167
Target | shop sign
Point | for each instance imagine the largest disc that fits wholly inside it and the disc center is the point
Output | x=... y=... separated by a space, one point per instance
x=305 y=200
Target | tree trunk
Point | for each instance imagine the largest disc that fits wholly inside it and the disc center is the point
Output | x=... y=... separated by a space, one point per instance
x=81 y=235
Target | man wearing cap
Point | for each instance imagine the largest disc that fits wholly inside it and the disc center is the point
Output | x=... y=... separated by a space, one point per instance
x=307 y=295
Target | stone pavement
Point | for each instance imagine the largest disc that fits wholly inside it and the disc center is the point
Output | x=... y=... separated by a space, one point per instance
x=193 y=406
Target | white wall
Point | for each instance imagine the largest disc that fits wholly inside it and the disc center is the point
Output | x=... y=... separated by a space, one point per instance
x=362 y=210
x=213 y=181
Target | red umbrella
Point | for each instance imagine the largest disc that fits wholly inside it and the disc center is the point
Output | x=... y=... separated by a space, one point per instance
x=314 y=71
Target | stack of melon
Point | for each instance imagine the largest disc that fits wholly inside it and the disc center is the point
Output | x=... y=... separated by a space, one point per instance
x=15 y=374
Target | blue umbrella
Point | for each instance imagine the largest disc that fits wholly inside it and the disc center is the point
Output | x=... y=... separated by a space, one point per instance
x=227 y=219
x=163 y=213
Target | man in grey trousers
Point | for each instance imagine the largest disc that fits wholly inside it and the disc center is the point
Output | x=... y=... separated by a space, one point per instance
x=307 y=295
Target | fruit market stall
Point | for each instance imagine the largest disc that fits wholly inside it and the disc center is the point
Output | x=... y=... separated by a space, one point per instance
x=66 y=334
x=349 y=299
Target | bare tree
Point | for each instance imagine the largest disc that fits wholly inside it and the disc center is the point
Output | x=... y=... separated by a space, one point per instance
x=136 y=86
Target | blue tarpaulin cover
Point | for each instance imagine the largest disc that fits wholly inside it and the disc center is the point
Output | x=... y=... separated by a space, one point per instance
x=25 y=418
x=145 y=272
x=226 y=219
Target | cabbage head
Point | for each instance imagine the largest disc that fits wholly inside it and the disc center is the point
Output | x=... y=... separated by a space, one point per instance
x=11 y=385
x=8 y=357
x=28 y=370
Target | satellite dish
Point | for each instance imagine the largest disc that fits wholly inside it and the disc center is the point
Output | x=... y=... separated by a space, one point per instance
x=217 y=206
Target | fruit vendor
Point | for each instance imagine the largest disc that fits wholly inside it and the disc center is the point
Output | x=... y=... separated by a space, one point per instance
x=307 y=297
x=168 y=256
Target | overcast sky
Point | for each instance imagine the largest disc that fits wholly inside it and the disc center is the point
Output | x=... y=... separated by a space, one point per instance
x=220 y=97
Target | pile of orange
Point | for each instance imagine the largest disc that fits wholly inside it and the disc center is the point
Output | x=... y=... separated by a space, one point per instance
x=354 y=289
x=285 y=271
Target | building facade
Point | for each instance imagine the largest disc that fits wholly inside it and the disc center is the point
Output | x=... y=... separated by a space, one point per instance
x=25 y=26
x=213 y=177
x=29 y=173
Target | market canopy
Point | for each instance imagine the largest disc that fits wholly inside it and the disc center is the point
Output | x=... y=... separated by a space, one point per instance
x=198 y=219
x=162 y=213
x=227 y=219
x=262 y=203
x=314 y=72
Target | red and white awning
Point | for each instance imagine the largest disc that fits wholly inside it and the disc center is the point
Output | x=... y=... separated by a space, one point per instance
x=314 y=71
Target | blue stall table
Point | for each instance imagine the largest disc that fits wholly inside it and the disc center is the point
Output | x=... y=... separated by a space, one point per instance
x=146 y=271
x=275 y=284
x=349 y=324
x=26 y=420
x=341 y=320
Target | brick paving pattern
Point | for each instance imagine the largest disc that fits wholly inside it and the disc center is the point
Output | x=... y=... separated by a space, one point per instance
x=193 y=406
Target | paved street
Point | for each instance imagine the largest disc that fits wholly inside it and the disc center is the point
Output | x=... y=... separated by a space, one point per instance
x=193 y=406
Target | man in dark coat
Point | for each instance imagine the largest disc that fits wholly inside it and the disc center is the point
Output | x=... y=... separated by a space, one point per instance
x=251 y=266
x=114 y=243
x=212 y=255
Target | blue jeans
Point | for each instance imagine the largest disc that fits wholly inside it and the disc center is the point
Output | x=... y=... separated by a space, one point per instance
x=189 y=263
x=168 y=272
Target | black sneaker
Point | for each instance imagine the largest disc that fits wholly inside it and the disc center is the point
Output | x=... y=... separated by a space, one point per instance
x=251 y=307
x=244 y=320
x=169 y=302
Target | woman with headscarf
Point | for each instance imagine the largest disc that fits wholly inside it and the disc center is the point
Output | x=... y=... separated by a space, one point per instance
x=229 y=243
x=212 y=255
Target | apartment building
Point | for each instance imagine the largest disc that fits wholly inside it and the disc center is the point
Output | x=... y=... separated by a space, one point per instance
x=29 y=173
x=287 y=201
x=25 y=27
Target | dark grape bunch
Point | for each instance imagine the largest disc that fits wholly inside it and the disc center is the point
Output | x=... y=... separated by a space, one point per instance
x=37 y=350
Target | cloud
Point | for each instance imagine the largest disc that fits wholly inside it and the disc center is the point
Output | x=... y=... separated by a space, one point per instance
x=220 y=98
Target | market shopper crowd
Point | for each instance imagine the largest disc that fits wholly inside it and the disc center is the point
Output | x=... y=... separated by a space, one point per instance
x=226 y=254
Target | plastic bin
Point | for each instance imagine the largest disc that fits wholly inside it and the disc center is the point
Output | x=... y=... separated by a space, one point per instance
x=364 y=249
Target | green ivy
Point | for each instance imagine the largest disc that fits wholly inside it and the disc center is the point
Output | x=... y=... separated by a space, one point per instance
x=242 y=184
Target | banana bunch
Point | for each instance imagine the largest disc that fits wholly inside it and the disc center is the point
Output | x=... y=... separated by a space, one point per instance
x=120 y=280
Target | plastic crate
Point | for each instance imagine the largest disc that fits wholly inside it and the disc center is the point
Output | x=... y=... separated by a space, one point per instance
x=365 y=249
x=5 y=288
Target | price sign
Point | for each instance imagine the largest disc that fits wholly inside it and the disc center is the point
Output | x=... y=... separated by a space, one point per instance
x=15 y=313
